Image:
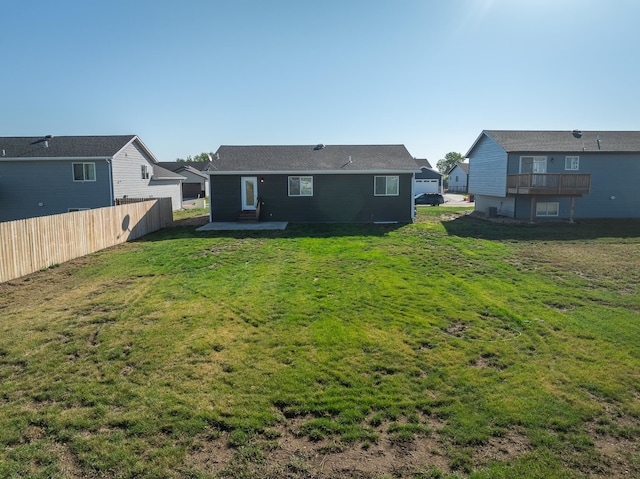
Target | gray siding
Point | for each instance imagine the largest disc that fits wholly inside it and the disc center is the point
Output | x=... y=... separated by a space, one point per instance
x=504 y=206
x=127 y=176
x=25 y=184
x=611 y=175
x=606 y=181
x=488 y=169
x=166 y=189
x=336 y=199
x=128 y=181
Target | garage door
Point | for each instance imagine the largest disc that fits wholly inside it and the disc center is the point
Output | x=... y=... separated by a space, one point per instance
x=191 y=190
x=426 y=186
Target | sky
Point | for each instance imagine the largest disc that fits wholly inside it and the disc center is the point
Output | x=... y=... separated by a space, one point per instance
x=188 y=76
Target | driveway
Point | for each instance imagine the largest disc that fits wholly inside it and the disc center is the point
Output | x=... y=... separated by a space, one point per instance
x=455 y=199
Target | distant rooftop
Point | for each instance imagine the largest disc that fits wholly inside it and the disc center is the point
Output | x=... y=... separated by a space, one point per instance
x=63 y=146
x=565 y=141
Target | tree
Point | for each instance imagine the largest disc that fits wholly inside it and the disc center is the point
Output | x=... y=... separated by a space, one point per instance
x=200 y=157
x=450 y=160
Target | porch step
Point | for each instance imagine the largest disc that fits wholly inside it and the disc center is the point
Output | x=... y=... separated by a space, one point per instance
x=247 y=216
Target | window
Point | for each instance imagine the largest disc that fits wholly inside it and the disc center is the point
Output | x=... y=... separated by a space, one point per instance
x=571 y=162
x=145 y=171
x=301 y=186
x=71 y=210
x=547 y=209
x=386 y=186
x=84 y=172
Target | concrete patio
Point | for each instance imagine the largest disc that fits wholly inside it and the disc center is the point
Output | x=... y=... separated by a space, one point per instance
x=233 y=226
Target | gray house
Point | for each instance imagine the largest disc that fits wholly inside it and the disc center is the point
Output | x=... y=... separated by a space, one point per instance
x=313 y=184
x=459 y=178
x=42 y=176
x=427 y=179
x=196 y=183
x=556 y=174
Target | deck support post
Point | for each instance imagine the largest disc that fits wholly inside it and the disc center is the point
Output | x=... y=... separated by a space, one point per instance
x=573 y=204
x=533 y=209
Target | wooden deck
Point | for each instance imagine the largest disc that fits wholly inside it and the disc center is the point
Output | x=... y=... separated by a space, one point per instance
x=556 y=184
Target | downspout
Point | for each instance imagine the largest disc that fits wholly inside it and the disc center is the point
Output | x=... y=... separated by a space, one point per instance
x=413 y=194
x=110 y=183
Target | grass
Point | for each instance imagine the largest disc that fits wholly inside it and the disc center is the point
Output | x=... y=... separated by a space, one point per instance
x=451 y=347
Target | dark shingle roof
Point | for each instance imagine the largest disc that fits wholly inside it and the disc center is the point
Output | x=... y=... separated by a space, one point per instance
x=180 y=165
x=423 y=163
x=306 y=158
x=463 y=166
x=63 y=146
x=566 y=141
x=160 y=173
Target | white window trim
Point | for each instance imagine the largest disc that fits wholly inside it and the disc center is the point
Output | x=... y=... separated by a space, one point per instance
x=84 y=179
x=144 y=171
x=534 y=159
x=386 y=177
x=547 y=203
x=300 y=178
x=570 y=161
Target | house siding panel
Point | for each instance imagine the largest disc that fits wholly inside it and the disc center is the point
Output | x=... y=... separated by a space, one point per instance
x=604 y=185
x=336 y=199
x=611 y=175
x=128 y=181
x=26 y=184
x=504 y=206
x=127 y=175
x=488 y=169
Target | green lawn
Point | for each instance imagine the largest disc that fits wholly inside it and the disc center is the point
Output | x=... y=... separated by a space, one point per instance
x=452 y=347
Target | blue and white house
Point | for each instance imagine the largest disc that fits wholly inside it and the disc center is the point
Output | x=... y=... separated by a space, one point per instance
x=556 y=174
x=458 y=181
x=48 y=175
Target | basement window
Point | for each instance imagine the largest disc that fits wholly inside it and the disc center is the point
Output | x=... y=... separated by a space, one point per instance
x=84 y=171
x=386 y=185
x=547 y=208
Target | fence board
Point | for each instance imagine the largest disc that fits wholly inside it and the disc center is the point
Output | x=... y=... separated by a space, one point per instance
x=33 y=244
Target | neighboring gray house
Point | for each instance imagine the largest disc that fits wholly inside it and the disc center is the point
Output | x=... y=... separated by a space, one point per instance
x=427 y=179
x=459 y=178
x=556 y=174
x=313 y=184
x=196 y=183
x=42 y=176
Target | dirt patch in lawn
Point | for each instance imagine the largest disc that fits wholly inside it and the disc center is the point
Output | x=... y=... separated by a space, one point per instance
x=193 y=221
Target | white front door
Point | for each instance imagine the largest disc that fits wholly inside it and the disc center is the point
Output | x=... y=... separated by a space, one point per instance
x=249 y=192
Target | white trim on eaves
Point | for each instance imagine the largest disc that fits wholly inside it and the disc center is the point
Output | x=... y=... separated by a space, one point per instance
x=313 y=172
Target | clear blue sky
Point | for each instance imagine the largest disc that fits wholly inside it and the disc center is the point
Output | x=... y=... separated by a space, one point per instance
x=188 y=76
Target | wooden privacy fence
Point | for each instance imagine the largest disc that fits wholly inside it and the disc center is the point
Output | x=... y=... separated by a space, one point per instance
x=33 y=244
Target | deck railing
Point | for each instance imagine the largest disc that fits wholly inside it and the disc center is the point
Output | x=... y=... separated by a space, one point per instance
x=570 y=184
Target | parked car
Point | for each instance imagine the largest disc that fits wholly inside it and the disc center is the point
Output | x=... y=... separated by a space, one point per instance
x=433 y=199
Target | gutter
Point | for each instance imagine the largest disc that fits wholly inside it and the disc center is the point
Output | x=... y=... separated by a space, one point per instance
x=109 y=167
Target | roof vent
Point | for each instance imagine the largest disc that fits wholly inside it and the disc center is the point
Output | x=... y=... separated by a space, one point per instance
x=576 y=133
x=319 y=146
